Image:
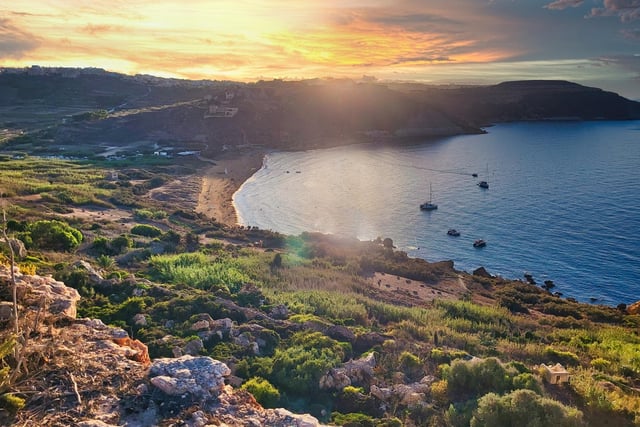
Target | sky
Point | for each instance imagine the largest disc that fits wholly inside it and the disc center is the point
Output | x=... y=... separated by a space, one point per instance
x=592 y=42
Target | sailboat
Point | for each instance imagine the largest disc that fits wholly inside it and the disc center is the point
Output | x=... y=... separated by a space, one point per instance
x=428 y=206
x=484 y=184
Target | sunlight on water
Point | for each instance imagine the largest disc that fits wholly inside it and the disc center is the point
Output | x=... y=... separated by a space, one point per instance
x=563 y=202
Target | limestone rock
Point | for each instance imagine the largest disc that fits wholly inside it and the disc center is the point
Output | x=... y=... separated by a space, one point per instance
x=200 y=325
x=279 y=312
x=38 y=291
x=94 y=275
x=138 y=351
x=352 y=372
x=140 y=320
x=6 y=310
x=413 y=394
x=634 y=308
x=341 y=333
x=18 y=247
x=193 y=347
x=482 y=272
x=200 y=377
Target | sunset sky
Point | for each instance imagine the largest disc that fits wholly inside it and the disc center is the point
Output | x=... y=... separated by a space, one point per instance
x=593 y=42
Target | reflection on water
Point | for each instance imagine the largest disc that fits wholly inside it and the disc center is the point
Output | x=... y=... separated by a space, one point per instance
x=563 y=202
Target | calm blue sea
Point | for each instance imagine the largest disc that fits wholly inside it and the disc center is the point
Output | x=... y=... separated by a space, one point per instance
x=563 y=201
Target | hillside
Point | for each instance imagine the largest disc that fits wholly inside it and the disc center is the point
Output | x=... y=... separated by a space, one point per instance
x=49 y=110
x=135 y=309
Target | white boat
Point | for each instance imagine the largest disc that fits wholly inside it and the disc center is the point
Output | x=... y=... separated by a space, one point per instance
x=428 y=205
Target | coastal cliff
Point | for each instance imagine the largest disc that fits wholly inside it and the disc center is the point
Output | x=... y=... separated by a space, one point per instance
x=85 y=373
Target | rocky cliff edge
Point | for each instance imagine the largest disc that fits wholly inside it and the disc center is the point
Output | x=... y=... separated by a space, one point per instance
x=82 y=372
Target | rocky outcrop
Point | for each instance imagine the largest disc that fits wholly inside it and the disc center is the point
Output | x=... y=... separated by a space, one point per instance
x=199 y=377
x=634 y=308
x=405 y=394
x=354 y=372
x=482 y=272
x=43 y=291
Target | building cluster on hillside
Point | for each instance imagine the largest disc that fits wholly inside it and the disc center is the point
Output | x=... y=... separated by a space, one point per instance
x=220 y=107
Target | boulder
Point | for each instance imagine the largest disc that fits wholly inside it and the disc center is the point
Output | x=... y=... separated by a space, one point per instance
x=482 y=272
x=341 y=333
x=198 y=377
x=38 y=291
x=94 y=275
x=634 y=308
x=413 y=394
x=6 y=311
x=280 y=312
x=369 y=340
x=19 y=251
x=193 y=347
x=140 y=320
x=358 y=372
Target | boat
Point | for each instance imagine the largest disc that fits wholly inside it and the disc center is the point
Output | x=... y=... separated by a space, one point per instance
x=453 y=232
x=428 y=205
x=475 y=175
x=483 y=184
x=479 y=243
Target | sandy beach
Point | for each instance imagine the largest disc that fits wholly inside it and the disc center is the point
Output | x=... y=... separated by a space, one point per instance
x=223 y=179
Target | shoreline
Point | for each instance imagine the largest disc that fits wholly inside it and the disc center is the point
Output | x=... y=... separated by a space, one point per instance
x=223 y=179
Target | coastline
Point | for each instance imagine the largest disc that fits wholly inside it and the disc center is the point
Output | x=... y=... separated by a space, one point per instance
x=223 y=179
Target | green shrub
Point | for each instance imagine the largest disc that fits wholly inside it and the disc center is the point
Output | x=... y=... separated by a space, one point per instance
x=601 y=364
x=147 y=214
x=410 y=365
x=198 y=270
x=526 y=381
x=477 y=377
x=120 y=244
x=297 y=368
x=264 y=392
x=146 y=230
x=523 y=408
x=559 y=356
x=355 y=419
x=52 y=235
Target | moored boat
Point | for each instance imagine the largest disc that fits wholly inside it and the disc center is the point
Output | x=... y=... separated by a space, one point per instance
x=428 y=205
x=453 y=232
x=479 y=243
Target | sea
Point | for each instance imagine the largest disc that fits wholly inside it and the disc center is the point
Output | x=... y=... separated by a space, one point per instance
x=563 y=202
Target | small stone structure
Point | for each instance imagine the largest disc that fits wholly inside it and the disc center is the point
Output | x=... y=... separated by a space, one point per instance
x=556 y=374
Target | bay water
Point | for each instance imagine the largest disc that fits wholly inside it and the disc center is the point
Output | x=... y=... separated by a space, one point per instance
x=563 y=201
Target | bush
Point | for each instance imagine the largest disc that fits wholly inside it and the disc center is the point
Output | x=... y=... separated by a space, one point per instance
x=298 y=367
x=563 y=357
x=439 y=391
x=120 y=244
x=146 y=230
x=601 y=364
x=146 y=214
x=523 y=408
x=52 y=235
x=264 y=392
x=410 y=365
x=355 y=419
x=477 y=377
